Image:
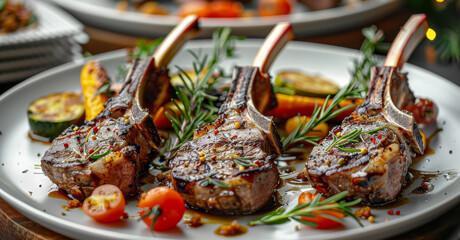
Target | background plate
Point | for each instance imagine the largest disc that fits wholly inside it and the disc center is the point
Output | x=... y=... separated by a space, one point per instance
x=24 y=186
x=102 y=14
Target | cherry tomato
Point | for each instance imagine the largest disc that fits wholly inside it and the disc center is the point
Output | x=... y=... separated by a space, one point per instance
x=274 y=7
x=170 y=203
x=200 y=8
x=106 y=204
x=323 y=223
x=225 y=9
x=424 y=110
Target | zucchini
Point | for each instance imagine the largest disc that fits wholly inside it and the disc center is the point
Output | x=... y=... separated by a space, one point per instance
x=305 y=85
x=50 y=115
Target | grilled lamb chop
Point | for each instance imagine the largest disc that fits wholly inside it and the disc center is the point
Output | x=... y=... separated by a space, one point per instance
x=117 y=145
x=228 y=167
x=373 y=164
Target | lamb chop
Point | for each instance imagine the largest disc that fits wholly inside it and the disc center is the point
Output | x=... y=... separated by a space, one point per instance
x=370 y=152
x=228 y=167
x=117 y=145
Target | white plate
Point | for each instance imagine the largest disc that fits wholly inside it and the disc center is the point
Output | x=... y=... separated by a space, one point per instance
x=103 y=14
x=24 y=187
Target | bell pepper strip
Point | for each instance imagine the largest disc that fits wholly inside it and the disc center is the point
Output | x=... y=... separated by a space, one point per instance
x=292 y=105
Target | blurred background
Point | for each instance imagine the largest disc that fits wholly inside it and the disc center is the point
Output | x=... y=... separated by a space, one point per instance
x=37 y=35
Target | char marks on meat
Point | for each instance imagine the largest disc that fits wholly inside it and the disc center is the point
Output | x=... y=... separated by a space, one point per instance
x=117 y=146
x=388 y=137
x=229 y=167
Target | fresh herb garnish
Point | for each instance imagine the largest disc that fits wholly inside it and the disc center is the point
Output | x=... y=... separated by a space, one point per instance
x=85 y=154
x=243 y=161
x=211 y=181
x=350 y=137
x=198 y=108
x=357 y=88
x=313 y=208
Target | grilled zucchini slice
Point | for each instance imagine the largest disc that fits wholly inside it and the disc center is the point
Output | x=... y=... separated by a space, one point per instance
x=50 y=115
x=306 y=85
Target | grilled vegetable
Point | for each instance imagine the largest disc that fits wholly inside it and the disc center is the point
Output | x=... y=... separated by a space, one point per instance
x=306 y=85
x=50 y=115
x=290 y=106
x=92 y=79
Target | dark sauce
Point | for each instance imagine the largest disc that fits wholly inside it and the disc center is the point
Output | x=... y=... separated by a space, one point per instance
x=59 y=194
x=231 y=230
x=428 y=149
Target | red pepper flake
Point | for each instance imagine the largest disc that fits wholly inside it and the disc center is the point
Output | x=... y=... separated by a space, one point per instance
x=390 y=212
x=77 y=156
x=250 y=154
x=90 y=151
x=77 y=132
x=258 y=163
x=81 y=149
x=373 y=140
x=216 y=131
x=425 y=186
x=198 y=164
x=321 y=141
x=66 y=145
x=95 y=129
x=359 y=123
x=233 y=137
x=114 y=139
x=398 y=212
x=111 y=146
x=116 y=129
x=379 y=136
x=251 y=167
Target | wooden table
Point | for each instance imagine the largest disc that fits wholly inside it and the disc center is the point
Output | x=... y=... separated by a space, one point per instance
x=14 y=225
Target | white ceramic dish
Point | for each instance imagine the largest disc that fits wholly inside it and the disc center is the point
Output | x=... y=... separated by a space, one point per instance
x=103 y=14
x=24 y=186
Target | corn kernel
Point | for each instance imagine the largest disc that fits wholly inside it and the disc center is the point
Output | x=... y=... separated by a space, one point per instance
x=338 y=134
x=237 y=124
x=341 y=161
x=364 y=151
x=242 y=168
x=127 y=120
x=93 y=137
x=202 y=159
x=75 y=128
x=201 y=154
x=126 y=116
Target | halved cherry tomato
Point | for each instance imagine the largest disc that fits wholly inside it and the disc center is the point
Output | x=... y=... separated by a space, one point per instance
x=323 y=223
x=424 y=110
x=170 y=204
x=274 y=7
x=106 y=204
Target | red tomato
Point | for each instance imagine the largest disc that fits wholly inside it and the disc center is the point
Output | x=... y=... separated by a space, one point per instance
x=106 y=204
x=323 y=223
x=274 y=7
x=225 y=9
x=424 y=110
x=170 y=203
x=200 y=8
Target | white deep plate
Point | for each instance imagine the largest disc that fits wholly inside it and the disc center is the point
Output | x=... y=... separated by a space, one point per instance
x=24 y=186
x=103 y=14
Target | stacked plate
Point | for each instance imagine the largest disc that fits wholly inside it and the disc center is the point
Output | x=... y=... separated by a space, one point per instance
x=53 y=41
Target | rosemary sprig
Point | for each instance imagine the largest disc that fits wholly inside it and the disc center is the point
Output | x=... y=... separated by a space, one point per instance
x=312 y=208
x=357 y=88
x=243 y=162
x=195 y=112
x=211 y=181
x=351 y=137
